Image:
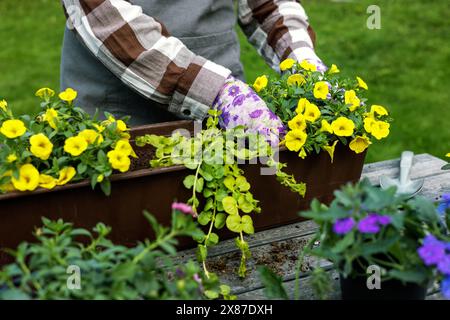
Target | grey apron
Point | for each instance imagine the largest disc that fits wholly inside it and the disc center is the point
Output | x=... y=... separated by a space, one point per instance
x=205 y=26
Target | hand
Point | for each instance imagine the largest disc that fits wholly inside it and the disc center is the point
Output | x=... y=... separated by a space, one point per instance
x=310 y=56
x=240 y=105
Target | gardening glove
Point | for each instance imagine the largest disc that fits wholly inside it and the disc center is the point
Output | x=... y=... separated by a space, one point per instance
x=240 y=105
x=310 y=56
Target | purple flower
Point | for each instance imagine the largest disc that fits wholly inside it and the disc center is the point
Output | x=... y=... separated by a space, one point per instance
x=384 y=220
x=445 y=287
x=233 y=91
x=369 y=224
x=444 y=265
x=184 y=208
x=445 y=203
x=239 y=100
x=432 y=251
x=256 y=114
x=343 y=226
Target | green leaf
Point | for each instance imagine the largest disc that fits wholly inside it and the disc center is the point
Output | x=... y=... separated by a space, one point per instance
x=204 y=218
x=242 y=184
x=211 y=294
x=213 y=239
x=245 y=205
x=234 y=223
x=230 y=205
x=247 y=225
x=220 y=220
x=229 y=183
x=409 y=276
x=81 y=168
x=106 y=187
x=202 y=253
x=273 y=284
x=344 y=243
x=199 y=185
x=189 y=181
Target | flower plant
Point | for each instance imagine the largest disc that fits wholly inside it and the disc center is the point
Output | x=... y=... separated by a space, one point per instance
x=107 y=270
x=61 y=144
x=221 y=195
x=322 y=109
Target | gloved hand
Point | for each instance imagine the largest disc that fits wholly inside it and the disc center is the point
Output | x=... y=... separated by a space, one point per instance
x=240 y=105
x=310 y=56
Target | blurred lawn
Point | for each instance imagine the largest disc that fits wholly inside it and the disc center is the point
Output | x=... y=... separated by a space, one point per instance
x=405 y=63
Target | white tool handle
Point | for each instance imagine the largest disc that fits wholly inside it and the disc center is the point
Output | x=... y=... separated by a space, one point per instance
x=405 y=166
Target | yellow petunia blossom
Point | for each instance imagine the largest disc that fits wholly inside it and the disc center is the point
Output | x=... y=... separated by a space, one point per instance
x=47 y=182
x=312 y=112
x=330 y=149
x=65 y=175
x=68 y=95
x=308 y=66
x=296 y=79
x=352 y=100
x=125 y=147
x=343 y=127
x=121 y=126
x=326 y=127
x=287 y=64
x=45 y=93
x=119 y=161
x=11 y=158
x=362 y=84
x=99 y=128
x=368 y=122
x=376 y=109
x=301 y=105
x=28 y=178
x=260 y=83
x=448 y=155
x=51 y=116
x=91 y=136
x=41 y=146
x=75 y=146
x=321 y=90
x=3 y=105
x=333 y=69
x=297 y=123
x=295 y=139
x=13 y=128
x=359 y=144
x=380 y=129
x=100 y=178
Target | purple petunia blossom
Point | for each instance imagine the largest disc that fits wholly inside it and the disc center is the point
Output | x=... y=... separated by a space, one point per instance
x=233 y=91
x=432 y=251
x=343 y=226
x=445 y=287
x=445 y=203
x=256 y=114
x=239 y=100
x=369 y=224
x=444 y=265
x=384 y=220
x=184 y=208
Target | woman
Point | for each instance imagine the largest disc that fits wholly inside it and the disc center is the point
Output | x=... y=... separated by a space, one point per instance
x=162 y=60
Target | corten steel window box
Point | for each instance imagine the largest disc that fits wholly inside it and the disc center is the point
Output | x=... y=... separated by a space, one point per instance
x=155 y=189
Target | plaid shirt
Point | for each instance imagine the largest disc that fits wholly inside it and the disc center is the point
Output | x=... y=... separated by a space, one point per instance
x=139 y=50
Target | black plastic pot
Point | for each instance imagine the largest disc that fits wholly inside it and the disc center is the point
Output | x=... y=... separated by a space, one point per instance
x=356 y=289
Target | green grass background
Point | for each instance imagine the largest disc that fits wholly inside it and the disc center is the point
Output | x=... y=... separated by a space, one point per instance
x=406 y=63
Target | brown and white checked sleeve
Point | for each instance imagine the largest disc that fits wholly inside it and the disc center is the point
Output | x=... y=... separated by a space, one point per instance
x=278 y=29
x=138 y=49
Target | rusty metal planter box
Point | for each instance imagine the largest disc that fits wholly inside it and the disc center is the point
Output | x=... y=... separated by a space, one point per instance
x=156 y=189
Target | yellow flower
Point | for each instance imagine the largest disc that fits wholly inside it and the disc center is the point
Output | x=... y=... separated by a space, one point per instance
x=448 y=155
x=326 y=127
x=330 y=149
x=380 y=129
x=91 y=136
x=13 y=128
x=41 y=147
x=51 y=116
x=296 y=139
x=302 y=153
x=125 y=147
x=378 y=110
x=343 y=127
x=301 y=105
x=362 y=84
x=65 y=175
x=297 y=123
x=99 y=128
x=321 y=90
x=3 y=105
x=121 y=126
x=312 y=112
x=100 y=178
x=68 y=95
x=45 y=93
x=308 y=66
x=75 y=146
x=287 y=64
x=360 y=143
x=352 y=100
x=119 y=161
x=296 y=79
x=368 y=122
x=11 y=158
x=28 y=178
x=260 y=83
x=333 y=69
x=47 y=182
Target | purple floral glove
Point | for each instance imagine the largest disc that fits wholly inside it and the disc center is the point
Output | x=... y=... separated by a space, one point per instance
x=309 y=55
x=240 y=105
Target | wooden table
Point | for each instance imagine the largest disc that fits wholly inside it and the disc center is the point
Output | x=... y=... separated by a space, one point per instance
x=278 y=248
